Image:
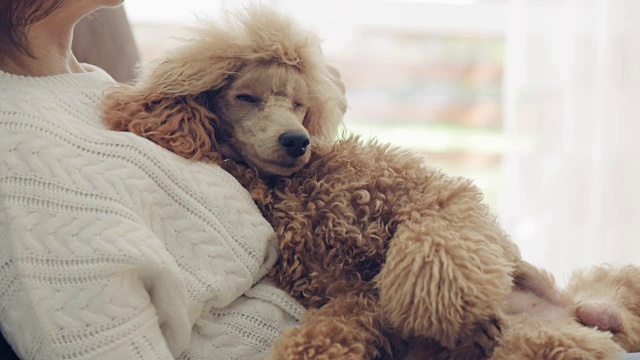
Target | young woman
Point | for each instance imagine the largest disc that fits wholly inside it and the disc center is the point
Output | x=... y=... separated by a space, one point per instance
x=110 y=246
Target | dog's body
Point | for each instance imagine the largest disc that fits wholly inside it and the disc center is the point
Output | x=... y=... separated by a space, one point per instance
x=388 y=249
x=356 y=240
x=391 y=255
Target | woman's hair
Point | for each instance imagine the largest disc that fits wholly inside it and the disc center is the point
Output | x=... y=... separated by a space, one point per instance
x=15 y=18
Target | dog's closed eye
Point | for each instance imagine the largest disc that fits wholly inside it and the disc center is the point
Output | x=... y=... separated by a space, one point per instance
x=247 y=98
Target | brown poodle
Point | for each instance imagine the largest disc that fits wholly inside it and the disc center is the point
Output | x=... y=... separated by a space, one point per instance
x=390 y=254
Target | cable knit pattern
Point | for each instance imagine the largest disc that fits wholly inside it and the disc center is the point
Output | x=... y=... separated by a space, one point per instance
x=114 y=248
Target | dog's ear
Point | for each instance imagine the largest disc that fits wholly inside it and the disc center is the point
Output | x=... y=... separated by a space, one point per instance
x=169 y=103
x=334 y=74
x=182 y=124
x=329 y=104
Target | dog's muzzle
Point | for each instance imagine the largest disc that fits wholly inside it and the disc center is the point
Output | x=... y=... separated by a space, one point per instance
x=294 y=143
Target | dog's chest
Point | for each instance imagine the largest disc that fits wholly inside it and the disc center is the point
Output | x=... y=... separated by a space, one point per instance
x=346 y=223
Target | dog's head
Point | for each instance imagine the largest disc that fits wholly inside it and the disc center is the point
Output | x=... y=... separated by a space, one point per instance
x=262 y=116
x=255 y=88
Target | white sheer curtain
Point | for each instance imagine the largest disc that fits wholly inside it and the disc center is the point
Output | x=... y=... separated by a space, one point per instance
x=572 y=110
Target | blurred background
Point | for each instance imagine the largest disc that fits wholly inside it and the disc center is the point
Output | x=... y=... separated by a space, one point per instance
x=536 y=100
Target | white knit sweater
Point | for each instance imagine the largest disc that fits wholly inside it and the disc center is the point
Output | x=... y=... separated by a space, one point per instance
x=114 y=248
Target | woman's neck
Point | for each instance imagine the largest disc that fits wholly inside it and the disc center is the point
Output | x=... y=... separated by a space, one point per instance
x=49 y=45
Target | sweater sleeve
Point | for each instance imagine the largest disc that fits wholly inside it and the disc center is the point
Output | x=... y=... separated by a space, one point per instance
x=82 y=282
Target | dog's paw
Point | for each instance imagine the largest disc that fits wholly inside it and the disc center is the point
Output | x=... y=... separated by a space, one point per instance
x=307 y=342
x=486 y=335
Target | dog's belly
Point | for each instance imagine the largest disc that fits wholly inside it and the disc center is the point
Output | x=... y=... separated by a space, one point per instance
x=520 y=302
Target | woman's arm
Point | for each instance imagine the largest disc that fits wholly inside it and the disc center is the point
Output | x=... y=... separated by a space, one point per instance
x=81 y=281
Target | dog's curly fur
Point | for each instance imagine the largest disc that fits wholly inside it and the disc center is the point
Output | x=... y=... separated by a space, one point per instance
x=412 y=243
x=393 y=257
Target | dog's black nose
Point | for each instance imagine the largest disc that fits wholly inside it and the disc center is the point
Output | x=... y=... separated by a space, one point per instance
x=295 y=143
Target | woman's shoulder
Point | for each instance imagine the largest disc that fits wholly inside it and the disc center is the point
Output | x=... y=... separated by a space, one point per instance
x=65 y=98
x=93 y=77
x=60 y=125
x=65 y=122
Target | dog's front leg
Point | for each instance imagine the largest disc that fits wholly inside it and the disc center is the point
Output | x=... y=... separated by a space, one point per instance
x=347 y=327
x=446 y=276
